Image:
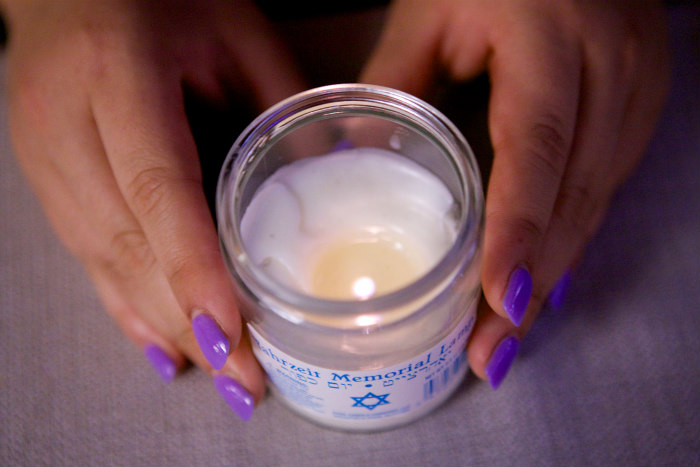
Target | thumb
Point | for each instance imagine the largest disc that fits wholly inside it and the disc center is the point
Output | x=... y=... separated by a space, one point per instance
x=264 y=59
x=421 y=38
x=405 y=56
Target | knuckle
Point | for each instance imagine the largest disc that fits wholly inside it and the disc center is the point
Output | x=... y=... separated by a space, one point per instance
x=527 y=230
x=147 y=190
x=178 y=270
x=129 y=254
x=547 y=145
x=543 y=143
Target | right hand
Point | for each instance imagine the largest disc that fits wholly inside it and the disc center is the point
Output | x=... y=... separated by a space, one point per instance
x=98 y=124
x=576 y=90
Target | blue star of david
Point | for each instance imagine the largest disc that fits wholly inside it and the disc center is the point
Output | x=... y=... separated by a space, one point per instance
x=378 y=400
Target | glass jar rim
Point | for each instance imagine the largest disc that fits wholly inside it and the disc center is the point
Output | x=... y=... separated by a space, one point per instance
x=298 y=306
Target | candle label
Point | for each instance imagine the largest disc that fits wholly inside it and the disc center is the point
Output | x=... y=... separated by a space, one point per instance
x=364 y=397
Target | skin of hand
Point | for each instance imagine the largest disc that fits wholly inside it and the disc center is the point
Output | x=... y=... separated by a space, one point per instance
x=576 y=90
x=98 y=124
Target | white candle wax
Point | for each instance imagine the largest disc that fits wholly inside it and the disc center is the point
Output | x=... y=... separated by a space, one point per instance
x=349 y=225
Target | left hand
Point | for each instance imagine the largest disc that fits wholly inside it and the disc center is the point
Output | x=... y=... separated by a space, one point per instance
x=98 y=122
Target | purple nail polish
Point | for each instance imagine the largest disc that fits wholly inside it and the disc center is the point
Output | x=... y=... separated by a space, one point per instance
x=558 y=293
x=211 y=340
x=163 y=364
x=235 y=395
x=518 y=295
x=342 y=144
x=501 y=360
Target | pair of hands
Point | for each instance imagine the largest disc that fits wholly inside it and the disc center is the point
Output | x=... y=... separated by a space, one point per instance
x=98 y=123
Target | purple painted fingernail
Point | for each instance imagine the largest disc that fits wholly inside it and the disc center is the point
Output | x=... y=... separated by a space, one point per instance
x=211 y=340
x=556 y=297
x=501 y=360
x=342 y=144
x=518 y=295
x=235 y=395
x=163 y=364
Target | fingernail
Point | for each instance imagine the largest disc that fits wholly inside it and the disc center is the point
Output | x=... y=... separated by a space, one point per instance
x=211 y=340
x=517 y=295
x=235 y=395
x=501 y=360
x=556 y=297
x=342 y=144
x=161 y=362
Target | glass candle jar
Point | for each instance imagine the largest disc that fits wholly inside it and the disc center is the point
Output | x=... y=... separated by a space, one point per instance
x=357 y=364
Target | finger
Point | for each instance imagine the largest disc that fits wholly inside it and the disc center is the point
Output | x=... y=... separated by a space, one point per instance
x=141 y=120
x=532 y=116
x=494 y=344
x=78 y=165
x=64 y=211
x=650 y=90
x=171 y=339
x=406 y=54
x=244 y=367
x=61 y=185
x=166 y=358
x=489 y=330
x=259 y=54
x=621 y=101
x=148 y=314
x=241 y=373
x=589 y=179
x=158 y=323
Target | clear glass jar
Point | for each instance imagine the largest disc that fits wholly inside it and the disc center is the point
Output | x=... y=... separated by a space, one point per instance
x=388 y=360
